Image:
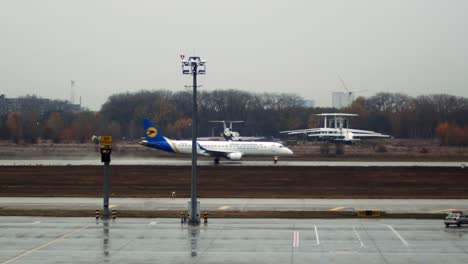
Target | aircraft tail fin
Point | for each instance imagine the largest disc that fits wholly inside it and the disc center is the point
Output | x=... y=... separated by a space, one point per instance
x=152 y=134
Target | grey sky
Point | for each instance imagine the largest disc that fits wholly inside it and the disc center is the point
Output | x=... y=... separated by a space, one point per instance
x=109 y=46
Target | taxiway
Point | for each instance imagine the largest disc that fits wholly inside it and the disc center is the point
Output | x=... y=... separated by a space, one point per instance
x=428 y=206
x=261 y=163
x=82 y=240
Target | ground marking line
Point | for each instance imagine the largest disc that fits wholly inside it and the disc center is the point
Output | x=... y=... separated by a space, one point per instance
x=398 y=235
x=316 y=235
x=153 y=223
x=337 y=208
x=357 y=235
x=46 y=244
x=29 y=223
x=443 y=210
x=296 y=239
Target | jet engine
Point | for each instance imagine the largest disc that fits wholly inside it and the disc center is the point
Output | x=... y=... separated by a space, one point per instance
x=234 y=156
x=227 y=132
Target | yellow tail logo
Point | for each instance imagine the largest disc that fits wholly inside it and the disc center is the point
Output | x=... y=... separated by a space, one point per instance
x=151 y=132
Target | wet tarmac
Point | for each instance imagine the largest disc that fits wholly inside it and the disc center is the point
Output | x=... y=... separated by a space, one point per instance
x=83 y=240
x=238 y=204
x=187 y=162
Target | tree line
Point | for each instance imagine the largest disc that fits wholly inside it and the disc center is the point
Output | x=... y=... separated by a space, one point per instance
x=265 y=114
x=410 y=117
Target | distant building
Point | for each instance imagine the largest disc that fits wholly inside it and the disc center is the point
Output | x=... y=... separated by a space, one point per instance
x=309 y=103
x=41 y=106
x=3 y=104
x=342 y=99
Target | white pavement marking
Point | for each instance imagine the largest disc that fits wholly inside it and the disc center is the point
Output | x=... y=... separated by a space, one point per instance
x=398 y=235
x=443 y=211
x=316 y=235
x=357 y=235
x=224 y=207
x=296 y=239
x=343 y=252
x=46 y=244
x=31 y=223
x=337 y=208
x=153 y=223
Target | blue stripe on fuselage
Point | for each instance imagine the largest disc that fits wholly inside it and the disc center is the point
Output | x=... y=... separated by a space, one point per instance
x=161 y=145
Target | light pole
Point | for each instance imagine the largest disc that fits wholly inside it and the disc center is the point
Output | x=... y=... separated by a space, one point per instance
x=194 y=66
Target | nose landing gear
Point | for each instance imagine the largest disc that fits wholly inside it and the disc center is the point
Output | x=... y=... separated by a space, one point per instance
x=275 y=159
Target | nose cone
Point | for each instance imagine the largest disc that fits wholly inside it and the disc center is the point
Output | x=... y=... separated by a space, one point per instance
x=288 y=151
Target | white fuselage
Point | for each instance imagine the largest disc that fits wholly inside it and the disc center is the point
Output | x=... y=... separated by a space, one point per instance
x=344 y=133
x=246 y=148
x=233 y=150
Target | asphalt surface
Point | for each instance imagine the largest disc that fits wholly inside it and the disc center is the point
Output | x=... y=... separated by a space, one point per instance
x=186 y=162
x=82 y=240
x=221 y=204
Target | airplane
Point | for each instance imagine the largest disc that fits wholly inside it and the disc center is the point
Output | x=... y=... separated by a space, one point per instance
x=335 y=129
x=230 y=135
x=231 y=150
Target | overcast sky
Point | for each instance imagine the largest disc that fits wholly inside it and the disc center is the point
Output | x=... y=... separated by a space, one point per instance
x=110 y=46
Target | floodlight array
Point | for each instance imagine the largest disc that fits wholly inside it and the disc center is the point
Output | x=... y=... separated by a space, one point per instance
x=194 y=65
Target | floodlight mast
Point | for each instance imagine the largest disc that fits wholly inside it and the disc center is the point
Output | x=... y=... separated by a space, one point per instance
x=194 y=66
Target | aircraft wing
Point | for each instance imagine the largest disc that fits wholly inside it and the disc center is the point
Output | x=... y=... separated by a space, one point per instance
x=213 y=153
x=301 y=131
x=247 y=138
x=346 y=140
x=357 y=133
x=372 y=136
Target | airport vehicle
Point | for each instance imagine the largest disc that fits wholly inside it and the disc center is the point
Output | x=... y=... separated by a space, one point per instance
x=456 y=218
x=336 y=129
x=232 y=150
x=230 y=135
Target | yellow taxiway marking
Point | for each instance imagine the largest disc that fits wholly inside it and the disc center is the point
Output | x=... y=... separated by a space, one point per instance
x=443 y=210
x=337 y=208
x=224 y=207
x=46 y=244
x=113 y=206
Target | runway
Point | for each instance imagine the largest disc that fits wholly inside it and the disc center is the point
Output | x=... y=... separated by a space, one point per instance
x=430 y=206
x=157 y=161
x=82 y=240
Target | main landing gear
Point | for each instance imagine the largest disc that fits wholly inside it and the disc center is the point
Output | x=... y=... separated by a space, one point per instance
x=216 y=160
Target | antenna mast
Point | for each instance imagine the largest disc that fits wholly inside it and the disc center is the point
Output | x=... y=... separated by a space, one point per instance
x=72 y=92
